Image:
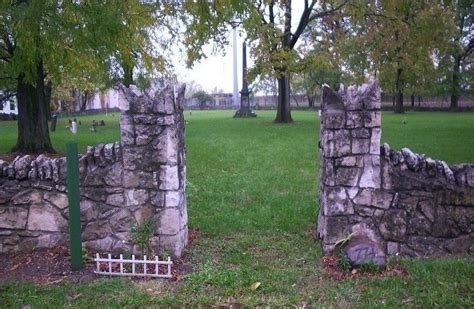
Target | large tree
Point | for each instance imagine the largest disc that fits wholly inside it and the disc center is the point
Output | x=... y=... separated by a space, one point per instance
x=400 y=38
x=270 y=33
x=457 y=58
x=43 y=41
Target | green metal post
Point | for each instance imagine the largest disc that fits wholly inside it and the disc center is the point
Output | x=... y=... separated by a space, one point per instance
x=74 y=208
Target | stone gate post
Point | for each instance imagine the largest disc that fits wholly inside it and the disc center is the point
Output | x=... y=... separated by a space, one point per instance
x=349 y=157
x=154 y=168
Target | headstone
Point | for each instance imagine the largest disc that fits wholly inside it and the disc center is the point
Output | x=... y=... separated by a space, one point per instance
x=73 y=127
x=93 y=128
x=102 y=123
x=362 y=250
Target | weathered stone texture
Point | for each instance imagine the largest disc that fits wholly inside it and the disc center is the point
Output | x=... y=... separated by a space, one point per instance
x=407 y=203
x=121 y=184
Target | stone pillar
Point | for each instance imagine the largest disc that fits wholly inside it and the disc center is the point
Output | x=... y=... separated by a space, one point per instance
x=154 y=168
x=349 y=159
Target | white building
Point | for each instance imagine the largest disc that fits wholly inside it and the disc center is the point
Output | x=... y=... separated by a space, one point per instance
x=9 y=107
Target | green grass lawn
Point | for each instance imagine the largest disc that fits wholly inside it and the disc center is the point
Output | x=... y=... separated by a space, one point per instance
x=252 y=195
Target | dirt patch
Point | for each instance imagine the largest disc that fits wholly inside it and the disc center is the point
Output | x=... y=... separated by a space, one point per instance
x=330 y=267
x=52 y=266
x=45 y=266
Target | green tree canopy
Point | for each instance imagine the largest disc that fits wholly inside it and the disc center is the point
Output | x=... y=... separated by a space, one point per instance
x=81 y=43
x=271 y=34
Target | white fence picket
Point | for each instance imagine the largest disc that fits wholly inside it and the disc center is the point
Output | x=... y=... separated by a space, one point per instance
x=121 y=261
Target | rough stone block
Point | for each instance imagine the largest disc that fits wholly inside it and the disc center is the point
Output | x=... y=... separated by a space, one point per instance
x=375 y=141
x=100 y=245
x=127 y=132
x=355 y=120
x=138 y=179
x=360 y=146
x=116 y=199
x=166 y=147
x=121 y=221
x=349 y=161
x=418 y=224
x=335 y=202
x=360 y=133
x=96 y=230
x=334 y=119
x=135 y=197
x=372 y=119
x=59 y=200
x=145 y=119
x=22 y=166
x=347 y=176
x=173 y=243
x=143 y=213
x=173 y=198
x=460 y=245
x=452 y=221
x=336 y=143
x=43 y=217
x=157 y=198
x=27 y=197
x=169 y=179
x=113 y=177
x=167 y=120
x=109 y=153
x=370 y=177
x=97 y=194
x=374 y=198
x=332 y=229
x=393 y=248
x=393 y=225
x=168 y=221
x=13 y=217
x=327 y=172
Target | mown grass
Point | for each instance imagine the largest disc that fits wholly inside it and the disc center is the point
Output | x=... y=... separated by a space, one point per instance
x=252 y=195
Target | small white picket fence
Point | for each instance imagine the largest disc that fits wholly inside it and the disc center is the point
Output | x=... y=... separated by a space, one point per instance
x=125 y=264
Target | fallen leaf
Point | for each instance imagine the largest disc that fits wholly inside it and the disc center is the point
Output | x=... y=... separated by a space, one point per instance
x=255 y=286
x=54 y=282
x=14 y=267
x=74 y=297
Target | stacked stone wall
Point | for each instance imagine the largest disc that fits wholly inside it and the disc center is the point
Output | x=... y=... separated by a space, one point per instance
x=403 y=202
x=122 y=184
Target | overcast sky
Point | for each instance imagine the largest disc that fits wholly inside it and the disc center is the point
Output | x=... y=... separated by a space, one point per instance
x=216 y=70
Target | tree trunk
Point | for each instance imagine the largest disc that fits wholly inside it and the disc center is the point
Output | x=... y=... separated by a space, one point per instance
x=33 y=133
x=47 y=98
x=412 y=101
x=310 y=100
x=283 y=108
x=127 y=75
x=84 y=100
x=399 y=92
x=455 y=83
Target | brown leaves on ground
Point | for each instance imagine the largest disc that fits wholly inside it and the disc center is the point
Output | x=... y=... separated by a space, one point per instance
x=52 y=266
x=44 y=266
x=330 y=267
